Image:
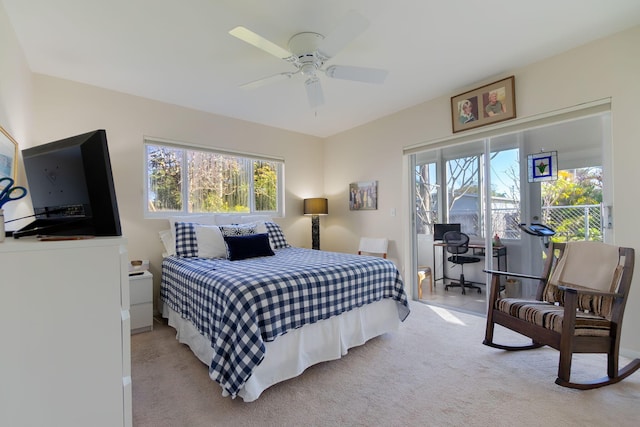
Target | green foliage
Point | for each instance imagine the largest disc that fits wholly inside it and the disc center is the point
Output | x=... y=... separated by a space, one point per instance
x=217 y=183
x=579 y=188
x=165 y=179
x=265 y=186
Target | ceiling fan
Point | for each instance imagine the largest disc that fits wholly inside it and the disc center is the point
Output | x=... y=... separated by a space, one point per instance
x=309 y=51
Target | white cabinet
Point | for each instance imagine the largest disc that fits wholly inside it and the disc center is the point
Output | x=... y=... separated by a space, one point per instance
x=141 y=291
x=66 y=349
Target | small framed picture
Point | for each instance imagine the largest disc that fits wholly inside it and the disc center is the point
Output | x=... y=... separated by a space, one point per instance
x=485 y=105
x=542 y=166
x=8 y=155
x=363 y=195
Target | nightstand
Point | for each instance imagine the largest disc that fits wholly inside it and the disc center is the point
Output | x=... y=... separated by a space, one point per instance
x=141 y=293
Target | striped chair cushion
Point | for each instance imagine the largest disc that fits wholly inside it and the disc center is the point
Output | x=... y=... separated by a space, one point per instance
x=550 y=316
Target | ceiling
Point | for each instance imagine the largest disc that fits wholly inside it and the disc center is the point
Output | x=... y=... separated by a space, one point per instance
x=180 y=52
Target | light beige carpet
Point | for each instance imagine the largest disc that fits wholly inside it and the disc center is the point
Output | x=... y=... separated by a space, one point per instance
x=433 y=372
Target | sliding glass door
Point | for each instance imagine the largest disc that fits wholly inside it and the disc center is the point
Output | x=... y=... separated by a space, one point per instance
x=483 y=186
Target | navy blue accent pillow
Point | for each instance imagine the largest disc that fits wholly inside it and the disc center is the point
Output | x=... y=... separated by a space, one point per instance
x=250 y=246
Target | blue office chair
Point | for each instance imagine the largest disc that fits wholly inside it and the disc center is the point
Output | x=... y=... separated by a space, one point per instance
x=457 y=243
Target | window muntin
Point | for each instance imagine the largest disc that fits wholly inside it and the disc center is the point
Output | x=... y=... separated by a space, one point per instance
x=185 y=180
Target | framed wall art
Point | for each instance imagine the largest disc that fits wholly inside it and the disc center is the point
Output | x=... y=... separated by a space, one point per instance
x=363 y=195
x=542 y=166
x=8 y=155
x=485 y=105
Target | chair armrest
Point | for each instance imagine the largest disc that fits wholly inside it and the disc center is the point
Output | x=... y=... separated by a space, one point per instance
x=586 y=291
x=571 y=304
x=506 y=273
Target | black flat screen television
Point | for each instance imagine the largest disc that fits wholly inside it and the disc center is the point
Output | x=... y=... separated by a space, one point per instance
x=71 y=188
x=440 y=229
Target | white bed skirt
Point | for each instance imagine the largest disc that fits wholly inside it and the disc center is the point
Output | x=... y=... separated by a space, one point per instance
x=290 y=354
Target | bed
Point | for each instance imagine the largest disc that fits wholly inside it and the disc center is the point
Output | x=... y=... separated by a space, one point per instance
x=259 y=312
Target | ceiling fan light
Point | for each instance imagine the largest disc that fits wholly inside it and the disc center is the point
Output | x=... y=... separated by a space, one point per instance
x=314 y=92
x=308 y=70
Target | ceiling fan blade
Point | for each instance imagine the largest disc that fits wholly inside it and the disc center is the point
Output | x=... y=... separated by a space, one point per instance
x=260 y=42
x=350 y=27
x=359 y=74
x=266 y=80
x=314 y=92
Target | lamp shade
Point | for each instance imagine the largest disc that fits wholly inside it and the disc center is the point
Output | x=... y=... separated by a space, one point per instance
x=316 y=206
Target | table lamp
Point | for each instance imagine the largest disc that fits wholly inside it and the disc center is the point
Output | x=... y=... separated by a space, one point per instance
x=315 y=207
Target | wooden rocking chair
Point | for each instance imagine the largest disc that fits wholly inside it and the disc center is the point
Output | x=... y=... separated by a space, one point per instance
x=579 y=307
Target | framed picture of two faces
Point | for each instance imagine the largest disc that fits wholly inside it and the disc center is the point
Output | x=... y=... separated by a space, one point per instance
x=485 y=105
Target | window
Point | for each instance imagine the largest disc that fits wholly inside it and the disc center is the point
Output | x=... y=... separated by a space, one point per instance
x=184 y=180
x=461 y=198
x=505 y=193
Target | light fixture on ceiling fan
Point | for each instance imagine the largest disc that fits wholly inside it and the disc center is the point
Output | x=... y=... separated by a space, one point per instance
x=309 y=51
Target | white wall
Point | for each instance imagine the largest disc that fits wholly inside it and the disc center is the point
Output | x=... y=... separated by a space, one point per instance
x=15 y=81
x=606 y=68
x=15 y=98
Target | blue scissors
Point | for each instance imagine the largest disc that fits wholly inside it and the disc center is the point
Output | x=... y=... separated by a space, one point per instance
x=7 y=194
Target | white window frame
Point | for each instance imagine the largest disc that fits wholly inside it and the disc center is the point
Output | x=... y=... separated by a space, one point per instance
x=279 y=212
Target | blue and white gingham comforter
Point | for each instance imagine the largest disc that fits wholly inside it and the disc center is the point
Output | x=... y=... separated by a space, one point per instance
x=239 y=305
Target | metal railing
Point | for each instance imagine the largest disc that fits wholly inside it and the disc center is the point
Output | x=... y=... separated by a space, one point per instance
x=580 y=222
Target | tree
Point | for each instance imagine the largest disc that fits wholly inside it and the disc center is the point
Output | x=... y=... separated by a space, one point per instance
x=577 y=187
x=462 y=178
x=165 y=176
x=265 y=186
x=216 y=182
x=574 y=188
x=426 y=196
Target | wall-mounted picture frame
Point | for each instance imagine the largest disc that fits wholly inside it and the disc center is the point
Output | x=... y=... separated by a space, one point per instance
x=363 y=195
x=485 y=105
x=8 y=155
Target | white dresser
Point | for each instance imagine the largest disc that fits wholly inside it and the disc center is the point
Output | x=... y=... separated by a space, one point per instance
x=141 y=291
x=66 y=349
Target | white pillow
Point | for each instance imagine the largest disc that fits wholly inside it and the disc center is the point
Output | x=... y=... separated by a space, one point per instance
x=208 y=219
x=261 y=227
x=210 y=242
x=168 y=241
